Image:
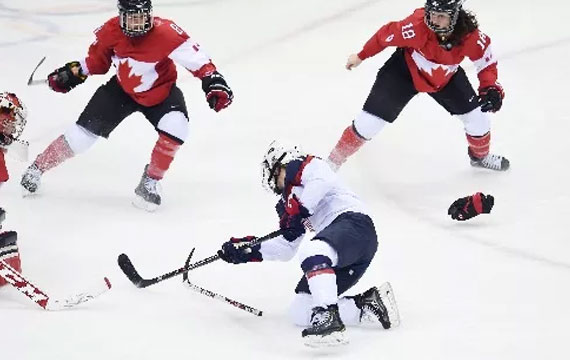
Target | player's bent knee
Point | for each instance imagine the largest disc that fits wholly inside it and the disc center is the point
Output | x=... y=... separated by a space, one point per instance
x=309 y=249
x=476 y=122
x=368 y=125
x=174 y=123
x=79 y=139
x=300 y=309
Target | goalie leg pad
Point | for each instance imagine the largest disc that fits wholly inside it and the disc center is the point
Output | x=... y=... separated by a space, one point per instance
x=9 y=252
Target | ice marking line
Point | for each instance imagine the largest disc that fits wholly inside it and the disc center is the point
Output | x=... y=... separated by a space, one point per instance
x=317 y=23
x=473 y=239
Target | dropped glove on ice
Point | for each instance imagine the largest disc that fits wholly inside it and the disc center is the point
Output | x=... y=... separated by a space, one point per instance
x=291 y=219
x=470 y=206
x=218 y=93
x=238 y=251
x=491 y=98
x=63 y=79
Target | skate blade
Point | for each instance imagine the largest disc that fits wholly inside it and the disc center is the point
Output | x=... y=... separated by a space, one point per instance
x=26 y=193
x=337 y=338
x=389 y=300
x=141 y=203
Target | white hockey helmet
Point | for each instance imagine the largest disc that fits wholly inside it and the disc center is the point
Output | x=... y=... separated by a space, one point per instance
x=276 y=156
x=13 y=115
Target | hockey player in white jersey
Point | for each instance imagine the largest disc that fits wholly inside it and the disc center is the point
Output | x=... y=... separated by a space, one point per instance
x=312 y=197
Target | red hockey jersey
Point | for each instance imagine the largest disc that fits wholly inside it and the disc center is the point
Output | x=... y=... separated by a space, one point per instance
x=430 y=64
x=145 y=65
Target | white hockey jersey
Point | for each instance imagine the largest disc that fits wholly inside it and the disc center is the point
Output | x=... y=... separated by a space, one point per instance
x=319 y=190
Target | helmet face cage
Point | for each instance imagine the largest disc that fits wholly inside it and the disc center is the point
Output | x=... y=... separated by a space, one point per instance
x=451 y=7
x=13 y=115
x=135 y=17
x=275 y=157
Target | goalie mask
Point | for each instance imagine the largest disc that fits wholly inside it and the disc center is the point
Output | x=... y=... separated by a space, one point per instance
x=12 y=118
x=135 y=17
x=276 y=156
x=450 y=7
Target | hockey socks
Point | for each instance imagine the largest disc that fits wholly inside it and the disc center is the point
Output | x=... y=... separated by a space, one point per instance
x=349 y=143
x=162 y=156
x=56 y=153
x=479 y=145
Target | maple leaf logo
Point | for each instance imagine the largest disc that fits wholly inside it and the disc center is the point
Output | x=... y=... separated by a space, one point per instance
x=128 y=82
x=437 y=76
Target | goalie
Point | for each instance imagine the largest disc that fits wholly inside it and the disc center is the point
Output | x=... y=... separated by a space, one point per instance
x=12 y=121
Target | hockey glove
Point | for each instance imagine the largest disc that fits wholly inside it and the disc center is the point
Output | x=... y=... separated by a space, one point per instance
x=63 y=79
x=491 y=98
x=291 y=222
x=218 y=93
x=238 y=251
x=471 y=206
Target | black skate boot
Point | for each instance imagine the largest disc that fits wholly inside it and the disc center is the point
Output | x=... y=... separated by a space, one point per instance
x=326 y=328
x=378 y=305
x=31 y=180
x=490 y=161
x=147 y=193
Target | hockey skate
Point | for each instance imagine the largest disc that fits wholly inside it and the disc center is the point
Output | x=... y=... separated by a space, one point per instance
x=326 y=328
x=147 y=193
x=378 y=305
x=490 y=161
x=31 y=180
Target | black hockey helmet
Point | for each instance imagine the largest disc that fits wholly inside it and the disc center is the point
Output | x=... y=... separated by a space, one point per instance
x=135 y=16
x=451 y=7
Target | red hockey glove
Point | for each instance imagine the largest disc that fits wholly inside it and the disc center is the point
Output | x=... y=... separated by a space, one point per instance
x=63 y=79
x=491 y=98
x=238 y=251
x=218 y=93
x=292 y=219
x=470 y=206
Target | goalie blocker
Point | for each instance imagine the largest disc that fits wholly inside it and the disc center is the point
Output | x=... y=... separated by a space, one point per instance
x=9 y=251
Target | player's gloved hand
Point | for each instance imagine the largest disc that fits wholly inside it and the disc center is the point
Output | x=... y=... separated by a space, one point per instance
x=491 y=98
x=218 y=93
x=291 y=221
x=66 y=77
x=471 y=206
x=238 y=250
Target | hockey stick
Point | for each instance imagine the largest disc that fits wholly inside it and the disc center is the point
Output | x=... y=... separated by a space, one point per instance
x=132 y=274
x=213 y=295
x=31 y=80
x=23 y=285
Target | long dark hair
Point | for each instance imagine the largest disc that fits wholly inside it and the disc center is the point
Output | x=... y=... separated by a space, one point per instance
x=466 y=23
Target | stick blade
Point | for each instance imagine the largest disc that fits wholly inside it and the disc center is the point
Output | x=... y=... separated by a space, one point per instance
x=129 y=270
x=31 y=80
x=186 y=264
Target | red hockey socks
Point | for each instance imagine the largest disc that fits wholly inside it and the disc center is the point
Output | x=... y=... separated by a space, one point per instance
x=162 y=156
x=56 y=153
x=9 y=252
x=348 y=144
x=479 y=145
x=3 y=170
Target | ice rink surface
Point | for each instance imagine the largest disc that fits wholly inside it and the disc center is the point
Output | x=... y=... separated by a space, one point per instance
x=496 y=287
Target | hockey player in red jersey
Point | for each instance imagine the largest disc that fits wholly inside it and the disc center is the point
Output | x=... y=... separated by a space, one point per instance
x=12 y=121
x=143 y=50
x=431 y=43
x=8 y=249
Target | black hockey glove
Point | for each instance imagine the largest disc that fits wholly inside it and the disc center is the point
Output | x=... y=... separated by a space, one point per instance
x=471 y=206
x=238 y=251
x=291 y=221
x=63 y=80
x=218 y=93
x=491 y=98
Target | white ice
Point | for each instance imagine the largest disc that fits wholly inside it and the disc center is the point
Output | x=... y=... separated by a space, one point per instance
x=496 y=287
